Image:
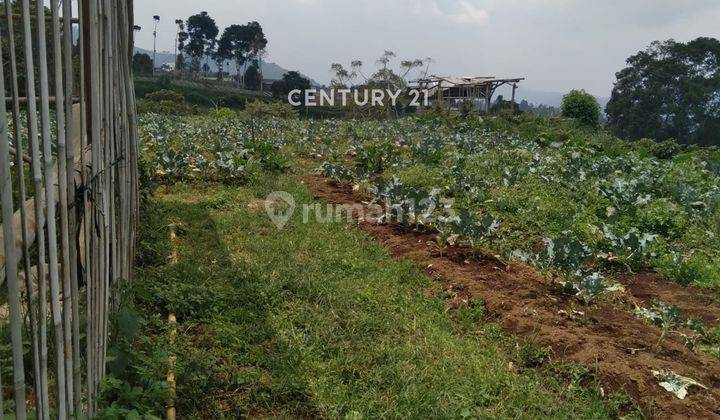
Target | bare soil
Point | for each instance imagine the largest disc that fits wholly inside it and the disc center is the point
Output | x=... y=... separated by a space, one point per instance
x=605 y=337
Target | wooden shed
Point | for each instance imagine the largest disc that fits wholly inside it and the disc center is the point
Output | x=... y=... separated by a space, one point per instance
x=455 y=89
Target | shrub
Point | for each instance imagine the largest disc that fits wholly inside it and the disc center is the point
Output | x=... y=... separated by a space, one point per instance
x=466 y=107
x=662 y=217
x=222 y=114
x=260 y=109
x=583 y=107
x=165 y=95
x=660 y=149
x=695 y=269
x=165 y=101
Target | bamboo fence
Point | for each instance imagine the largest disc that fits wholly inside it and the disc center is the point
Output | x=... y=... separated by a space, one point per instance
x=68 y=233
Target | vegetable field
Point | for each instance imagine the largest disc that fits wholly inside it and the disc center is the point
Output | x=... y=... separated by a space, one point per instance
x=527 y=189
x=584 y=248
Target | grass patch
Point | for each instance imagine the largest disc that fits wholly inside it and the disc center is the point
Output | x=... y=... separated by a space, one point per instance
x=315 y=320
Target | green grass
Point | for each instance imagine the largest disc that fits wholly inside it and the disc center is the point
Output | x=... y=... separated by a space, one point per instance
x=314 y=320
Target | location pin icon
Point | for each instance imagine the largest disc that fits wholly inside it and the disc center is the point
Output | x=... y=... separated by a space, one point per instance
x=279 y=214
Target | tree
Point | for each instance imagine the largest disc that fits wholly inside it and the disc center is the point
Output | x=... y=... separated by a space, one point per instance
x=142 y=64
x=252 y=77
x=242 y=43
x=291 y=80
x=180 y=28
x=19 y=37
x=180 y=62
x=669 y=90
x=198 y=39
x=583 y=107
x=387 y=78
x=343 y=77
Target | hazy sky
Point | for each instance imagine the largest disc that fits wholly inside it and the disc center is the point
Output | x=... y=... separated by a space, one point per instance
x=557 y=45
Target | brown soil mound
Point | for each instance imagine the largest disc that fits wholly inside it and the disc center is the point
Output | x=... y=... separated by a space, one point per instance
x=607 y=338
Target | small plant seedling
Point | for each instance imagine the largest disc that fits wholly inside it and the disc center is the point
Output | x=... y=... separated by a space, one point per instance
x=531 y=354
x=669 y=319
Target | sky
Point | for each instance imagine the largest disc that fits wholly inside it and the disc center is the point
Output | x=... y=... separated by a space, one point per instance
x=557 y=45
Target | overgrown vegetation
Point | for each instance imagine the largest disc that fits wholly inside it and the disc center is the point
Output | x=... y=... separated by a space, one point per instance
x=203 y=94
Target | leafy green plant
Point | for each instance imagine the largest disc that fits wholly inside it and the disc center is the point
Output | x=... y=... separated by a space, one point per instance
x=338 y=173
x=630 y=249
x=590 y=286
x=666 y=316
x=582 y=106
x=373 y=158
x=166 y=102
x=531 y=355
x=472 y=228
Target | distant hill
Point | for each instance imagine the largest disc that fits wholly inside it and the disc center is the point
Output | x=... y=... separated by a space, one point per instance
x=270 y=70
x=542 y=98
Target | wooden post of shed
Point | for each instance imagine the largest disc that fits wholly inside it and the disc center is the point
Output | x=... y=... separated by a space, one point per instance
x=514 y=86
x=488 y=98
x=440 y=94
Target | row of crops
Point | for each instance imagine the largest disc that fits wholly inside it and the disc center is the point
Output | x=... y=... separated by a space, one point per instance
x=578 y=203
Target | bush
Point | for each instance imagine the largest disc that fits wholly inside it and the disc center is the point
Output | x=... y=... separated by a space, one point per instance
x=222 y=114
x=166 y=102
x=260 y=109
x=695 y=269
x=466 y=107
x=142 y=64
x=583 y=107
x=660 y=149
x=165 y=95
x=663 y=217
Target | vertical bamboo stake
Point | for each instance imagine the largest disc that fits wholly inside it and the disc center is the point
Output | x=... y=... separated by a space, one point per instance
x=2 y=402
x=55 y=304
x=70 y=174
x=11 y=263
x=20 y=170
x=39 y=202
x=85 y=77
x=108 y=117
x=95 y=143
x=172 y=321
x=63 y=200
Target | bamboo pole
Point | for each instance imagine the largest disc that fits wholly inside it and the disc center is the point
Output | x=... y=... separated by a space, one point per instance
x=38 y=203
x=51 y=227
x=71 y=189
x=63 y=207
x=11 y=259
x=94 y=115
x=172 y=321
x=20 y=158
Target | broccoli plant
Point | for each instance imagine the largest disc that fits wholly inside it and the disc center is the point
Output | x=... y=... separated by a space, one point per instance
x=631 y=249
x=410 y=205
x=467 y=226
x=590 y=286
x=566 y=255
x=336 y=172
x=663 y=315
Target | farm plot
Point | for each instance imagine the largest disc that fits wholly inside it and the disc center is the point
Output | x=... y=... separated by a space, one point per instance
x=605 y=224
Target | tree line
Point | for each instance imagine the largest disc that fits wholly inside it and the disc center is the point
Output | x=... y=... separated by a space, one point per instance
x=670 y=90
x=200 y=42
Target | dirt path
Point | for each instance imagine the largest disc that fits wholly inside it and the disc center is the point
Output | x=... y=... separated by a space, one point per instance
x=619 y=346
